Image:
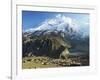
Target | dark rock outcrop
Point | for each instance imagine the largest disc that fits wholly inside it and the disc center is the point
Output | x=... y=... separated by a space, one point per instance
x=45 y=46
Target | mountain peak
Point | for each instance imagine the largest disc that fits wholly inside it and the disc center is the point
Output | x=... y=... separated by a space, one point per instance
x=59 y=22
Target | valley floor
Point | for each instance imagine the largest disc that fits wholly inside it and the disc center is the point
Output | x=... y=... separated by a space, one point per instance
x=46 y=62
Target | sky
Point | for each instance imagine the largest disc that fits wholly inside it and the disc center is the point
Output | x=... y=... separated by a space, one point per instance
x=35 y=19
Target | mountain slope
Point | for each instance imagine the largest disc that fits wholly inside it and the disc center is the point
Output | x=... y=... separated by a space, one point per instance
x=59 y=30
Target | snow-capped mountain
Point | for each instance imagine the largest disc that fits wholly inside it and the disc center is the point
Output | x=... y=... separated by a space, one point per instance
x=60 y=24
